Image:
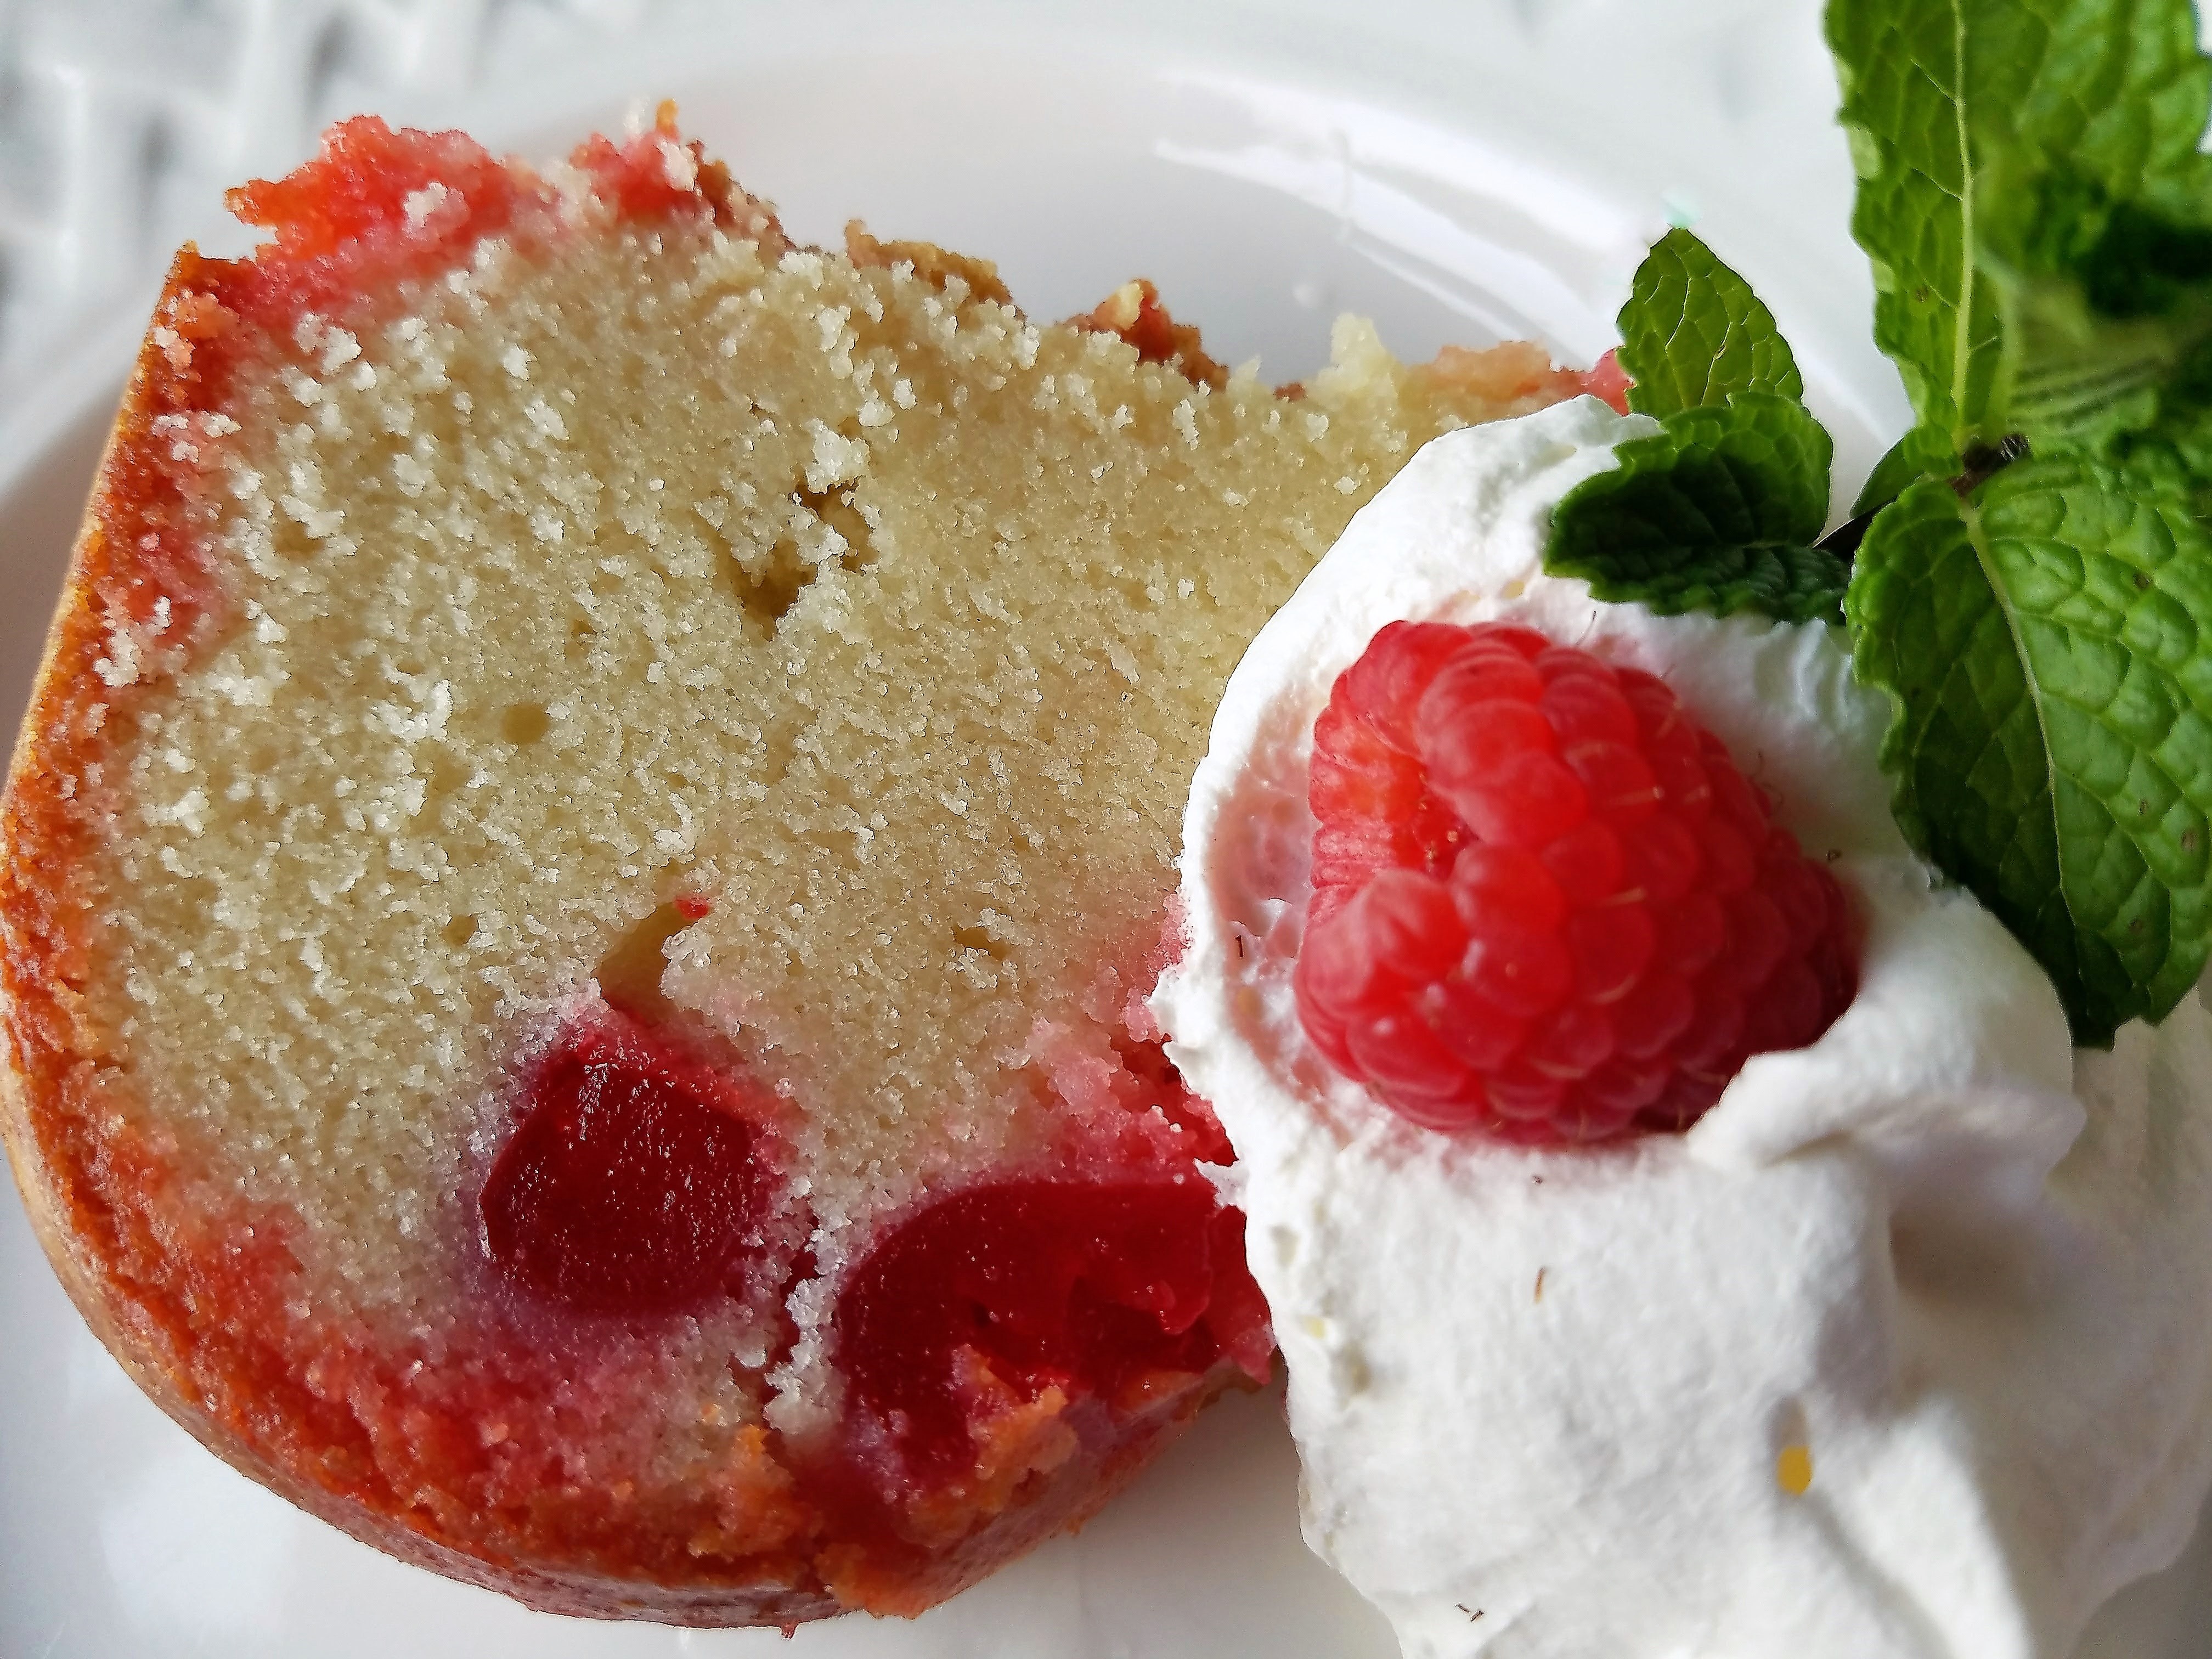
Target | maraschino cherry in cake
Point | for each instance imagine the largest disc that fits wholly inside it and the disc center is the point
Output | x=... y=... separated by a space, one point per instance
x=582 y=877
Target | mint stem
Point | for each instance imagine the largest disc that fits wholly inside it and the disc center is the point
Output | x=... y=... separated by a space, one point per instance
x=1982 y=463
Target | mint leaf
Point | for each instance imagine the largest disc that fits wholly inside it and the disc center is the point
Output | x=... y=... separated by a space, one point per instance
x=1720 y=510
x=2040 y=218
x=2079 y=377
x=2035 y=206
x=1905 y=106
x=1717 y=512
x=2108 y=94
x=1692 y=332
x=1903 y=464
x=2052 y=747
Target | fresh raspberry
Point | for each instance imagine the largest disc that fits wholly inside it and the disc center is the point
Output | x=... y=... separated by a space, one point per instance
x=1546 y=905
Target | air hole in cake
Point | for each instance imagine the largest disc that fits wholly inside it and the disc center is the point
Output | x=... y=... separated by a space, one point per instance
x=979 y=938
x=1138 y=593
x=628 y=974
x=837 y=510
x=768 y=589
x=521 y=723
x=459 y=931
x=825 y=531
x=447 y=773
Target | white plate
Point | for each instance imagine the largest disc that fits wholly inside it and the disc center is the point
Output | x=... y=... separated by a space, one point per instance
x=1461 y=172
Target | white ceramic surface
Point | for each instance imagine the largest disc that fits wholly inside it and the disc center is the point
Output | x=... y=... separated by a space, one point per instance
x=1458 y=171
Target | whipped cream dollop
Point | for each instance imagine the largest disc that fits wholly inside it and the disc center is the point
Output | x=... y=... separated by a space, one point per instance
x=1905 y=1349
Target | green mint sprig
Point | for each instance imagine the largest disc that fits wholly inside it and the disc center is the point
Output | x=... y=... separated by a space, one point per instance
x=1718 y=511
x=2033 y=586
x=1694 y=334
x=2039 y=220
x=2032 y=200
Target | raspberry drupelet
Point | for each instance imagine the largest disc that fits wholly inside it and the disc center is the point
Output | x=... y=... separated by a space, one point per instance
x=1548 y=905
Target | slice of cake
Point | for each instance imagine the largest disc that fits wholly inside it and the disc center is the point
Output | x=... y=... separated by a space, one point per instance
x=584 y=869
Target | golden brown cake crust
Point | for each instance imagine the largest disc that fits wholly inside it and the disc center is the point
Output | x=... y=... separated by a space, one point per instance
x=934 y=264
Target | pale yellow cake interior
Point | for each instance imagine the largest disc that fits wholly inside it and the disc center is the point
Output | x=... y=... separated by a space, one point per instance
x=886 y=619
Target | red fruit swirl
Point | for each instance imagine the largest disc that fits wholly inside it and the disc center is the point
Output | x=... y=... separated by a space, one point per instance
x=1546 y=905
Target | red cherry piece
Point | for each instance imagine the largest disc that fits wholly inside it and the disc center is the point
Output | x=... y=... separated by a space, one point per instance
x=1548 y=905
x=637 y=176
x=633 y=1182
x=1090 y=1287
